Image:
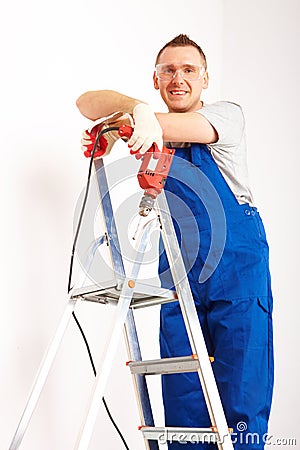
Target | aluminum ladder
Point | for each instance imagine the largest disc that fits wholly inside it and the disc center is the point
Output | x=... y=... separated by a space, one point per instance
x=127 y=294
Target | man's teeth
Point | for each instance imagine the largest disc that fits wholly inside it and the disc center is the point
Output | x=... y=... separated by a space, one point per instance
x=178 y=92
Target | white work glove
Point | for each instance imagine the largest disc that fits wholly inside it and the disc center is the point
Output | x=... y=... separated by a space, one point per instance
x=147 y=130
x=108 y=139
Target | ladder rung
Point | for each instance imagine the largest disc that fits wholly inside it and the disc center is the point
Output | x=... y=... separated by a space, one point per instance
x=171 y=434
x=165 y=365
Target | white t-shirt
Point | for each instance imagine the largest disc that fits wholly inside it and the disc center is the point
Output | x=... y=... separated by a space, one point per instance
x=230 y=151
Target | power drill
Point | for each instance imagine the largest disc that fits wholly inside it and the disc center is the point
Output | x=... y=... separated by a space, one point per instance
x=151 y=180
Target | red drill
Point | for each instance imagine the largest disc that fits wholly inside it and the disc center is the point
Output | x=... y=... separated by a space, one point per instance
x=151 y=180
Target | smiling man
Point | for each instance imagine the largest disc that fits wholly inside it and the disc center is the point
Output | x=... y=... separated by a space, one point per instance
x=175 y=80
x=234 y=303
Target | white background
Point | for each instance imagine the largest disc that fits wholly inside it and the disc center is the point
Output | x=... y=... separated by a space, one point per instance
x=51 y=53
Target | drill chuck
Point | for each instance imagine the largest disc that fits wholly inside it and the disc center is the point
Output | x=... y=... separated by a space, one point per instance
x=146 y=205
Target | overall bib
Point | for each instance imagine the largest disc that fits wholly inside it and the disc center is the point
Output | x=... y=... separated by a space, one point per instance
x=225 y=252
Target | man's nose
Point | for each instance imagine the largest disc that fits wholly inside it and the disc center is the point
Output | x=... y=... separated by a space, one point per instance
x=178 y=75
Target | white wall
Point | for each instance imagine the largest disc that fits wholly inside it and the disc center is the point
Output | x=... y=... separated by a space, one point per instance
x=52 y=53
x=261 y=70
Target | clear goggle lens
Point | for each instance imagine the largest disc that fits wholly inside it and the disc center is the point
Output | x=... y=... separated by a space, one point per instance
x=189 y=72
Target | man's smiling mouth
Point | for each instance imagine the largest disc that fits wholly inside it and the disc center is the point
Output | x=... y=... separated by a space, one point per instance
x=178 y=92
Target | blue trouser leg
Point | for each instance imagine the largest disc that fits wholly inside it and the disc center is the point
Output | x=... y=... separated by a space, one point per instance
x=182 y=395
x=241 y=333
x=233 y=304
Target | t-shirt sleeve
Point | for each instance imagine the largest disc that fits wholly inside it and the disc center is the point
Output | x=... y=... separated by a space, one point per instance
x=228 y=120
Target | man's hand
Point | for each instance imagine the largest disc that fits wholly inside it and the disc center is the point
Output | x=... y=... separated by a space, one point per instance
x=146 y=130
x=108 y=139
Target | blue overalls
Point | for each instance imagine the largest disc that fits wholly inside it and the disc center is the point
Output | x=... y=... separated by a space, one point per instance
x=233 y=302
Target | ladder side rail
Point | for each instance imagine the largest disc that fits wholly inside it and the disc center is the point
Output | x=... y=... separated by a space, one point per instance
x=108 y=215
x=131 y=338
x=197 y=342
x=42 y=375
x=104 y=369
x=139 y=381
x=103 y=372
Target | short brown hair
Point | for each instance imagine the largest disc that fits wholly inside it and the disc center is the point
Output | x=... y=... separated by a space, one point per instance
x=182 y=40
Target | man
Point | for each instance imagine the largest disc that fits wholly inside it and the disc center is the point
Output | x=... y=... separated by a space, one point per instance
x=234 y=301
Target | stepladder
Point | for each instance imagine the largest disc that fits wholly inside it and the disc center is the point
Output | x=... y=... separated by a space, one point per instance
x=128 y=292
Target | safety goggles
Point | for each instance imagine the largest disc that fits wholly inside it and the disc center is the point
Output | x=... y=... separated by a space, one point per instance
x=190 y=72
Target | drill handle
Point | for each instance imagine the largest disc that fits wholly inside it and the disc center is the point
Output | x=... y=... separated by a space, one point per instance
x=125 y=133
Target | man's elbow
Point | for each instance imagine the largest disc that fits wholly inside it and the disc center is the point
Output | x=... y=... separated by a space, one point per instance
x=82 y=104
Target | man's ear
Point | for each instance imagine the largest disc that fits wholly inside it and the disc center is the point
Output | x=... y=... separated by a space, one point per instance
x=205 y=80
x=155 y=81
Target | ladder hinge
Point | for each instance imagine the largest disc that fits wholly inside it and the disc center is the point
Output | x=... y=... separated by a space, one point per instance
x=107 y=238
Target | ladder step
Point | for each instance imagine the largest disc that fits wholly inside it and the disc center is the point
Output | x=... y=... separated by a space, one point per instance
x=165 y=365
x=182 y=435
x=109 y=292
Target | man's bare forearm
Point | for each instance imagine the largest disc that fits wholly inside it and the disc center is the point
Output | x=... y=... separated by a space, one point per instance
x=96 y=104
x=178 y=127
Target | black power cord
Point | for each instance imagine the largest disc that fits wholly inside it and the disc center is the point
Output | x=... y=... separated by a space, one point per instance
x=87 y=188
x=106 y=130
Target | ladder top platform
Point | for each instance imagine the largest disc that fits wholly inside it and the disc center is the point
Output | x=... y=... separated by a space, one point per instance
x=109 y=292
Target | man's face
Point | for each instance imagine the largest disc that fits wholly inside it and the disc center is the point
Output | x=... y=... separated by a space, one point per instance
x=180 y=94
